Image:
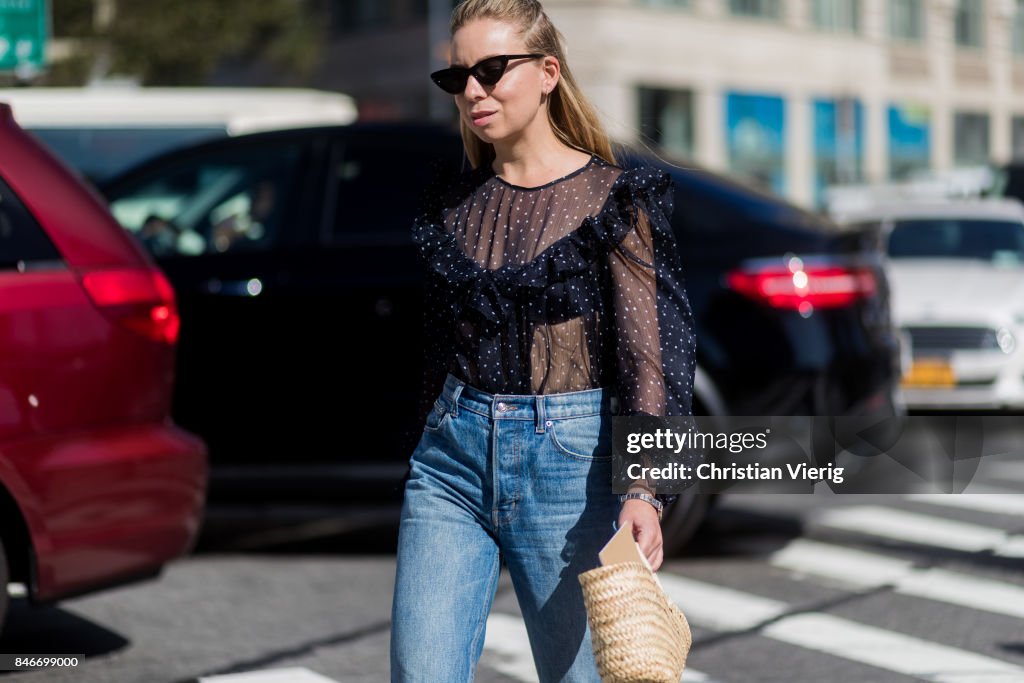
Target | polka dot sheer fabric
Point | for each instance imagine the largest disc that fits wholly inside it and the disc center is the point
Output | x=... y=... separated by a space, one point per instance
x=572 y=285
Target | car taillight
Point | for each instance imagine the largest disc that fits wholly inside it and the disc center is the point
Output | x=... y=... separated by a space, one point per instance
x=139 y=298
x=803 y=287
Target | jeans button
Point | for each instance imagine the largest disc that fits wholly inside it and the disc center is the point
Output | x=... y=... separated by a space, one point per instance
x=502 y=406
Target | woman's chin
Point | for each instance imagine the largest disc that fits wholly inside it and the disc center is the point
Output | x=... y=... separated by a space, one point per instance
x=487 y=135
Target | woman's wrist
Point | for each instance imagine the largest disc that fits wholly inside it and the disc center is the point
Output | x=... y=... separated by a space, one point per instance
x=645 y=498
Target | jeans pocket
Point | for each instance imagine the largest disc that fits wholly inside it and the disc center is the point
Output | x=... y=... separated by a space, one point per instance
x=587 y=437
x=437 y=417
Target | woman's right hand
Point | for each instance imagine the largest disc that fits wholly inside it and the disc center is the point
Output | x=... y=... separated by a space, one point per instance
x=646 y=529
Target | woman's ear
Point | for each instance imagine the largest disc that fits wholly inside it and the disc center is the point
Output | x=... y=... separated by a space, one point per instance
x=552 y=72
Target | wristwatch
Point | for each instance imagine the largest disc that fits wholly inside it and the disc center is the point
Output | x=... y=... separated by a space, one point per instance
x=658 y=505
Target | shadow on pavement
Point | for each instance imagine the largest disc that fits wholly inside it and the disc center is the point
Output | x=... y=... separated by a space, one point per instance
x=65 y=633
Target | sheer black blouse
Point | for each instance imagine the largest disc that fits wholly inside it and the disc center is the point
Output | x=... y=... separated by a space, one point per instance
x=572 y=285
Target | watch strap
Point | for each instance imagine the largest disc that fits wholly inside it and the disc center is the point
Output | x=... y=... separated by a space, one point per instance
x=657 y=504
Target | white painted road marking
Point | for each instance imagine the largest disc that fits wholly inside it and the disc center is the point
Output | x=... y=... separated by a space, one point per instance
x=506 y=638
x=921 y=529
x=731 y=610
x=507 y=641
x=868 y=570
x=994 y=502
x=888 y=650
x=292 y=675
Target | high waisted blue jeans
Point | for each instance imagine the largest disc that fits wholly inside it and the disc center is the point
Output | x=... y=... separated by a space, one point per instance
x=524 y=478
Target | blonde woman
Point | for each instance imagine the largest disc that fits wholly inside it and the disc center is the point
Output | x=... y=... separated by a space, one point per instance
x=555 y=300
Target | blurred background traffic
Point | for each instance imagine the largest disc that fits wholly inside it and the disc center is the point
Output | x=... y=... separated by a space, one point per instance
x=224 y=182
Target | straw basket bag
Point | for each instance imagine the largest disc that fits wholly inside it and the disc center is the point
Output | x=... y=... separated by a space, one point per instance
x=638 y=634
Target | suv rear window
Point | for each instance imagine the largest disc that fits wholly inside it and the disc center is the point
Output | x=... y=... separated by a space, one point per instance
x=989 y=240
x=220 y=200
x=22 y=240
x=100 y=153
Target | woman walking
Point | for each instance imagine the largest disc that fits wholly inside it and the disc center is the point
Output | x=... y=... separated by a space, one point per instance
x=555 y=300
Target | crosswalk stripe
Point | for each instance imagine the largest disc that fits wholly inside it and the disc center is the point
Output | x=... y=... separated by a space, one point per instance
x=888 y=650
x=995 y=502
x=920 y=529
x=727 y=609
x=868 y=570
x=290 y=675
x=1013 y=547
x=717 y=607
x=851 y=567
x=506 y=638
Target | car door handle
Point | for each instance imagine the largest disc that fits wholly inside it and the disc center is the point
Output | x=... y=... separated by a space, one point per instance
x=251 y=287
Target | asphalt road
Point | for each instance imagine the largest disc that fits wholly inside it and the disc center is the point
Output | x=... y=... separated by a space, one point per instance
x=794 y=589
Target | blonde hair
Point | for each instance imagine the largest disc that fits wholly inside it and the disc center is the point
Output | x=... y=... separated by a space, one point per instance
x=571 y=115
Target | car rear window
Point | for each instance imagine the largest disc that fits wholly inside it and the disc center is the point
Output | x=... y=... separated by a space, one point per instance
x=988 y=240
x=232 y=199
x=100 y=153
x=22 y=240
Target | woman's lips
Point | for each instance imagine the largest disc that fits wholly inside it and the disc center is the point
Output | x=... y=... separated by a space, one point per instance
x=483 y=120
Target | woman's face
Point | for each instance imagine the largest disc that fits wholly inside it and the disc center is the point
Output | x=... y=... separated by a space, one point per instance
x=512 y=105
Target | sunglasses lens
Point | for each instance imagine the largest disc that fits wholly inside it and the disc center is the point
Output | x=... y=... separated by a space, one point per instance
x=450 y=81
x=490 y=71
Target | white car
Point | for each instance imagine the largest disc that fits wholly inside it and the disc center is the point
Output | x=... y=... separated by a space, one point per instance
x=956 y=271
x=101 y=130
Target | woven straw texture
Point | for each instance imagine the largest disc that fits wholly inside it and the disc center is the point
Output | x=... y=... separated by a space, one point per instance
x=638 y=634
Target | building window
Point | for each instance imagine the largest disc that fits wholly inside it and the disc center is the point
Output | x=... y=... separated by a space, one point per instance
x=666 y=119
x=838 y=144
x=970 y=138
x=968 y=22
x=909 y=140
x=1017 y=137
x=836 y=15
x=1018 y=28
x=755 y=126
x=755 y=8
x=906 y=19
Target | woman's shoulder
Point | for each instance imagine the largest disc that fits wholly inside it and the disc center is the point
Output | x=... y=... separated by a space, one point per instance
x=636 y=185
x=634 y=177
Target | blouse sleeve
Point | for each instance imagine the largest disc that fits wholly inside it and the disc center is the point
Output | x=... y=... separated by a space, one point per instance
x=438 y=323
x=655 y=338
x=438 y=318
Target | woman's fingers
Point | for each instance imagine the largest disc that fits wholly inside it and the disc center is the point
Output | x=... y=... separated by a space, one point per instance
x=646 y=530
x=652 y=545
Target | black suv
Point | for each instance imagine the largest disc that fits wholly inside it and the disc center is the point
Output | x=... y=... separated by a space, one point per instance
x=300 y=298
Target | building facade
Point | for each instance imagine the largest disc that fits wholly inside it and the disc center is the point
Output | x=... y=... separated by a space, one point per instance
x=799 y=94
x=792 y=94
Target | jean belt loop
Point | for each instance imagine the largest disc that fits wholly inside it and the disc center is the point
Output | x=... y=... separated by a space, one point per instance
x=455 y=399
x=541 y=417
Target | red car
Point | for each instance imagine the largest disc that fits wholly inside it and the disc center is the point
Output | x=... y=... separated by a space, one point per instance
x=97 y=485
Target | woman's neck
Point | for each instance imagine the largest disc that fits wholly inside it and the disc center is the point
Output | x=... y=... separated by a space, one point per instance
x=532 y=162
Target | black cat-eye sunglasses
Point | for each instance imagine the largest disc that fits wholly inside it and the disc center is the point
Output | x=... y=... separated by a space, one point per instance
x=487 y=72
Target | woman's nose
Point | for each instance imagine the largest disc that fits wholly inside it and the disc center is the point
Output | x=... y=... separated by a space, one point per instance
x=474 y=90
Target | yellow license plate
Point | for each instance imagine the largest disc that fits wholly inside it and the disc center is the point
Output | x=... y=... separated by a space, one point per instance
x=930 y=373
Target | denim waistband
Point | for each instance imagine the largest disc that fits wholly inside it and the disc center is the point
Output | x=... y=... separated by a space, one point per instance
x=536 y=407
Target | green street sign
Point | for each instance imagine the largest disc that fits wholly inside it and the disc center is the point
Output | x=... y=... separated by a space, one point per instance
x=23 y=34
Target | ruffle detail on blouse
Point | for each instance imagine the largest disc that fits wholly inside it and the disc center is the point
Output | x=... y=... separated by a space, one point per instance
x=561 y=281
x=648 y=189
